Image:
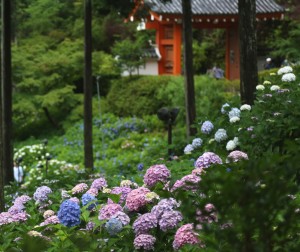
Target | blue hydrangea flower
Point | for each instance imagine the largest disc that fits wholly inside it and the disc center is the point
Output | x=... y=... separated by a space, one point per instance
x=221 y=135
x=86 y=199
x=113 y=226
x=234 y=112
x=197 y=142
x=207 y=127
x=140 y=166
x=69 y=213
x=188 y=149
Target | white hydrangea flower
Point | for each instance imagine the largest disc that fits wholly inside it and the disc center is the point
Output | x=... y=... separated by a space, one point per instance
x=234 y=112
x=260 y=87
x=267 y=82
x=274 y=87
x=288 y=77
x=221 y=135
x=188 y=149
x=234 y=119
x=285 y=70
x=236 y=140
x=231 y=145
x=245 y=107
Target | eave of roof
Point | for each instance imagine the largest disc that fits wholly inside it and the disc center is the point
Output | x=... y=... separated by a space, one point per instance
x=211 y=7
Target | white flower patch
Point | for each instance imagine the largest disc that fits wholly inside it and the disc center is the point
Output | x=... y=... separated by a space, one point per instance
x=274 y=88
x=288 y=77
x=267 y=82
x=231 y=145
x=245 y=107
x=234 y=119
x=260 y=87
x=284 y=70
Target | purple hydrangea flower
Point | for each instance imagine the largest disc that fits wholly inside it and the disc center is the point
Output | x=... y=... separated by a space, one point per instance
x=207 y=127
x=69 y=213
x=113 y=226
x=144 y=241
x=163 y=206
x=140 y=167
x=23 y=199
x=108 y=210
x=99 y=183
x=236 y=156
x=51 y=220
x=169 y=220
x=188 y=182
x=16 y=208
x=41 y=194
x=144 y=223
x=121 y=190
x=197 y=142
x=123 y=217
x=156 y=173
x=207 y=159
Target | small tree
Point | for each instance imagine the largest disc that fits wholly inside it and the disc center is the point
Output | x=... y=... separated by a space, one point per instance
x=129 y=54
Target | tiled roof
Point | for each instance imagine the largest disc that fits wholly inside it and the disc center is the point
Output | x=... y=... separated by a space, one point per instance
x=211 y=7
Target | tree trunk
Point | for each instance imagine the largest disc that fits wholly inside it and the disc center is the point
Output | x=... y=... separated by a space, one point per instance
x=188 y=68
x=248 y=50
x=88 y=81
x=6 y=94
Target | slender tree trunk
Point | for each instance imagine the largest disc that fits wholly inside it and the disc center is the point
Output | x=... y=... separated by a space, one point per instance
x=88 y=81
x=248 y=50
x=2 y=201
x=6 y=93
x=188 y=68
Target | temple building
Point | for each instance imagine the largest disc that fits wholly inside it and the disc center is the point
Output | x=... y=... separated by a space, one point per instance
x=166 y=20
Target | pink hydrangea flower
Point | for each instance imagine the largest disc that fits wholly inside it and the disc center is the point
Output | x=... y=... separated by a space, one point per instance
x=76 y=200
x=144 y=223
x=123 y=191
x=108 y=210
x=51 y=220
x=185 y=235
x=207 y=159
x=23 y=199
x=136 y=199
x=144 y=241
x=80 y=188
x=236 y=156
x=188 y=182
x=156 y=173
x=92 y=191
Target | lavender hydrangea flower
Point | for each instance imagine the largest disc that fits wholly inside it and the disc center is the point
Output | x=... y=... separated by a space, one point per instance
x=207 y=159
x=23 y=199
x=197 y=142
x=144 y=223
x=108 y=210
x=234 y=112
x=123 y=217
x=88 y=198
x=123 y=191
x=188 y=149
x=156 y=173
x=92 y=191
x=41 y=194
x=188 y=182
x=163 y=206
x=169 y=220
x=207 y=127
x=51 y=220
x=16 y=208
x=144 y=241
x=113 y=226
x=185 y=235
x=221 y=135
x=69 y=213
x=99 y=183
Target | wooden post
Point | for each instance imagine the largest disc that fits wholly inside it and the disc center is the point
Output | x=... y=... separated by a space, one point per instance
x=88 y=140
x=6 y=94
x=188 y=68
x=248 y=50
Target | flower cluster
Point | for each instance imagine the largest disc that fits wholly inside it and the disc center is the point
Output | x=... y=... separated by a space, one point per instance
x=108 y=210
x=207 y=127
x=185 y=235
x=69 y=213
x=236 y=156
x=41 y=194
x=144 y=241
x=221 y=135
x=188 y=182
x=163 y=206
x=123 y=217
x=123 y=191
x=99 y=183
x=156 y=173
x=136 y=199
x=169 y=220
x=144 y=223
x=80 y=188
x=188 y=149
x=197 y=142
x=207 y=159
x=113 y=226
x=87 y=199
